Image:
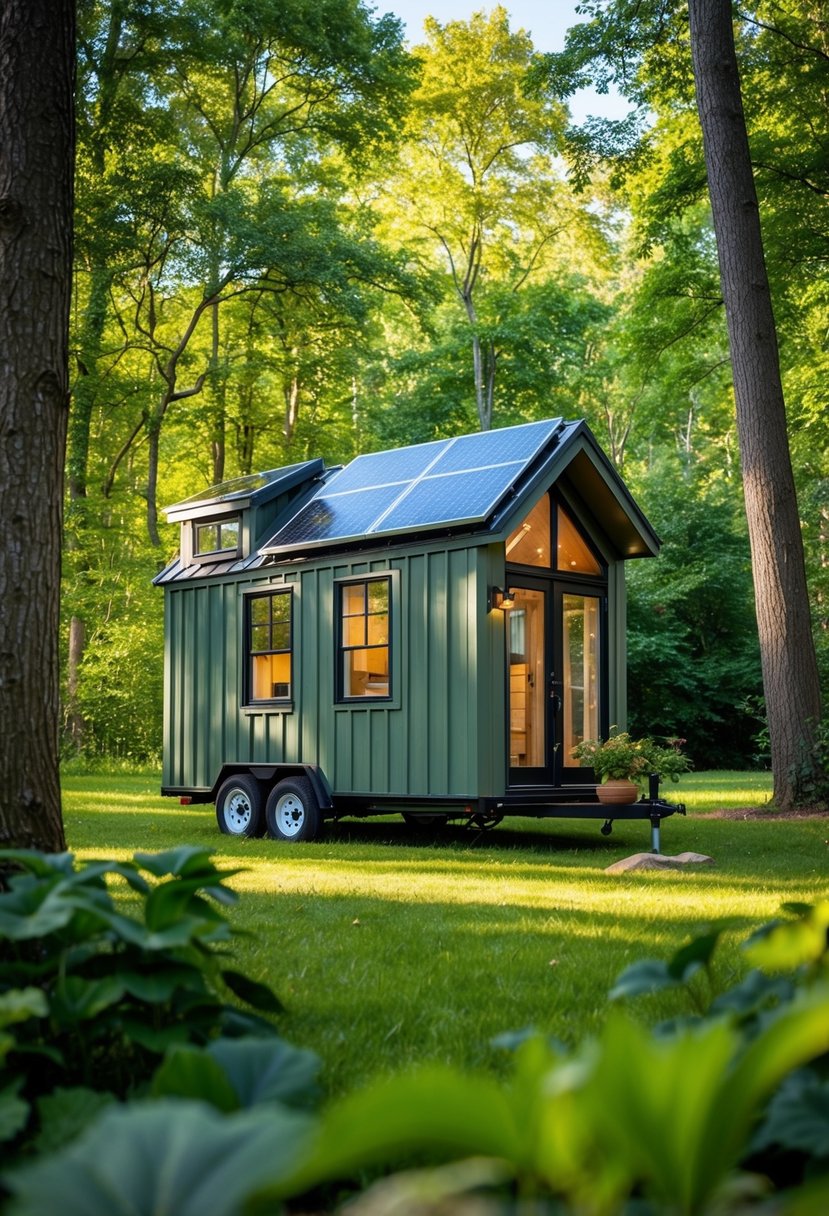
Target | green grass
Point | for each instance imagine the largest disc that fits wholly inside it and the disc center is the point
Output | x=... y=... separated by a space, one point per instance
x=390 y=947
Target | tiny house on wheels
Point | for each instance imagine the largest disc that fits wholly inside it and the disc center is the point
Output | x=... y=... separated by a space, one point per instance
x=430 y=630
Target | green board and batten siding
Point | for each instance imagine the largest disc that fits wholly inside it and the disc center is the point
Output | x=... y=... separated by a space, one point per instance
x=442 y=733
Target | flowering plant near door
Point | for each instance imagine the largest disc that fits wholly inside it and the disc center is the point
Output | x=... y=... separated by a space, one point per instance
x=621 y=758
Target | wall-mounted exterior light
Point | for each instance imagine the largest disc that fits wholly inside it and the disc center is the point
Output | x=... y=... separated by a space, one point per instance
x=501 y=597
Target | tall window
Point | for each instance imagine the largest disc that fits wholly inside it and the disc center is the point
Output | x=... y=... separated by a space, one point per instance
x=269 y=645
x=363 y=644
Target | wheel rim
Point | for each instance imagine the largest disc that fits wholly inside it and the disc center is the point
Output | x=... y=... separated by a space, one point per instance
x=237 y=811
x=289 y=815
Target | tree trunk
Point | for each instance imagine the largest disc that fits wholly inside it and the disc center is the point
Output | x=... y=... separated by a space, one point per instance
x=790 y=675
x=37 y=39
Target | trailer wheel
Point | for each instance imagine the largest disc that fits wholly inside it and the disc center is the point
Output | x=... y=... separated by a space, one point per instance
x=292 y=811
x=239 y=810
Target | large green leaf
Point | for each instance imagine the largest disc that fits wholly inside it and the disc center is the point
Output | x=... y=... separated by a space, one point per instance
x=444 y=1111
x=268 y=1070
x=169 y=901
x=14 y=1110
x=44 y=865
x=257 y=995
x=31 y=912
x=187 y=861
x=20 y=1004
x=798 y=1116
x=649 y=975
x=165 y=1157
x=160 y=984
x=65 y=1113
x=652 y=1101
x=76 y=999
x=189 y=1072
x=695 y=954
x=789 y=944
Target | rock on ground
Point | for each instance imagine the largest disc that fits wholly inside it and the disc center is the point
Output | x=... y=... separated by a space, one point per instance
x=658 y=861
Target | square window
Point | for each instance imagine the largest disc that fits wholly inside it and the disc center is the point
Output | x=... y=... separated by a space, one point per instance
x=216 y=536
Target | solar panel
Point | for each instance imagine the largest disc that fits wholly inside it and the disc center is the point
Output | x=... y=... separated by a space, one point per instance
x=496 y=447
x=446 y=482
x=455 y=498
x=385 y=468
x=336 y=517
x=242 y=487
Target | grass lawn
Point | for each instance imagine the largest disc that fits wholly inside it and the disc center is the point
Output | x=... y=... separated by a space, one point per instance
x=390 y=947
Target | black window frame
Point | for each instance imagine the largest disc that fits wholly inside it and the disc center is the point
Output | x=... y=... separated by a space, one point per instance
x=341 y=649
x=270 y=593
x=557 y=500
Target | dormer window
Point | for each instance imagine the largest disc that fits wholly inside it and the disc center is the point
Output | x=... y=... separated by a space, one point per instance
x=216 y=537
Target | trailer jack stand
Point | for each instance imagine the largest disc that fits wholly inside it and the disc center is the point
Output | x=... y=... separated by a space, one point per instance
x=607 y=827
x=655 y=842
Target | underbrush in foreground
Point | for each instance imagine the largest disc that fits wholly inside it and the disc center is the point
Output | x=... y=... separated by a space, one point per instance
x=724 y=1108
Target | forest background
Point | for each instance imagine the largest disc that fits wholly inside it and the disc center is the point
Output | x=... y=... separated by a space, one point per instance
x=295 y=237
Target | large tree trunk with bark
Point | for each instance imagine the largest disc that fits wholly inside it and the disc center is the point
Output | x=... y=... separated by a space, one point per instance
x=37 y=39
x=790 y=675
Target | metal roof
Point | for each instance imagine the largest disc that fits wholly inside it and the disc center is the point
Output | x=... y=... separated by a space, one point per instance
x=251 y=490
x=478 y=485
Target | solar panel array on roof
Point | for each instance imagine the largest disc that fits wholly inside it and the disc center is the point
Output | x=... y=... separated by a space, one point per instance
x=443 y=483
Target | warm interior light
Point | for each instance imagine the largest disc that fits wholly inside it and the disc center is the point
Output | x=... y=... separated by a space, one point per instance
x=500 y=597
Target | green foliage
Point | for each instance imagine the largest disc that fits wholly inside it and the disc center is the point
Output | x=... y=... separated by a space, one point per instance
x=167 y=1155
x=672 y=1119
x=90 y=996
x=670 y=1115
x=693 y=657
x=620 y=757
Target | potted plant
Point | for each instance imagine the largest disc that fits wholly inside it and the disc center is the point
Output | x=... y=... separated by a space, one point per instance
x=621 y=763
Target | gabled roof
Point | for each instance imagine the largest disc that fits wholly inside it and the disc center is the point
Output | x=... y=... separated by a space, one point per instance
x=480 y=485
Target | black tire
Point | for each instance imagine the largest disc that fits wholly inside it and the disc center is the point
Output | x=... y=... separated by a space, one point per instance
x=292 y=812
x=424 y=822
x=240 y=807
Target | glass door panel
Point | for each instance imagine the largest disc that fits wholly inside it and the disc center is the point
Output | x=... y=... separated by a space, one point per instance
x=581 y=673
x=526 y=627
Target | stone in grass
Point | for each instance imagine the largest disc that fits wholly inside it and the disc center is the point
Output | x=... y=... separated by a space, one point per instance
x=658 y=861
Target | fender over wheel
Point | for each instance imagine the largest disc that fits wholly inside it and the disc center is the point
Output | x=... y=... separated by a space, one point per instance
x=240 y=807
x=292 y=811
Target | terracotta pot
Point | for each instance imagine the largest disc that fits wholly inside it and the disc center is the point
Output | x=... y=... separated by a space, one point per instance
x=617 y=793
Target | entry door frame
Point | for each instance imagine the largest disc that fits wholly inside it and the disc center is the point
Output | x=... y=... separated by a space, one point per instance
x=568 y=774
x=539 y=775
x=555 y=773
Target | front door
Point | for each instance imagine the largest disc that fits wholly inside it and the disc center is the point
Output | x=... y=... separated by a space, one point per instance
x=555 y=659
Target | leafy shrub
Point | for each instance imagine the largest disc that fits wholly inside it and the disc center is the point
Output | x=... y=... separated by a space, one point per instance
x=705 y=1115
x=91 y=997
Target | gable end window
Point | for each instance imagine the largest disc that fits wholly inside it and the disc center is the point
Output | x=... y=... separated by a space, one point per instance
x=216 y=536
x=269 y=636
x=363 y=641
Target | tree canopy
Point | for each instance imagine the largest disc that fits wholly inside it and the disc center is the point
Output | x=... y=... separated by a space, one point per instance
x=297 y=237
